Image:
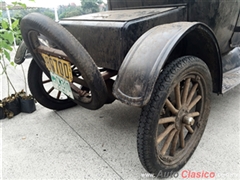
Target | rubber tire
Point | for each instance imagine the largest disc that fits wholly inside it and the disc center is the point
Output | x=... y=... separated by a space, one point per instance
x=39 y=93
x=57 y=34
x=21 y=53
x=150 y=114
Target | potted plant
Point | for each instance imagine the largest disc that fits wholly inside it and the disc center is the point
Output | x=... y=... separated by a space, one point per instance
x=11 y=103
x=2 y=111
x=27 y=102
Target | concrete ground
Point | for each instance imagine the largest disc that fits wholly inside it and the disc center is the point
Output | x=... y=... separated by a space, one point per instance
x=81 y=144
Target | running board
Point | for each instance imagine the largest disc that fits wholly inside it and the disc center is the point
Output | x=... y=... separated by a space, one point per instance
x=231 y=79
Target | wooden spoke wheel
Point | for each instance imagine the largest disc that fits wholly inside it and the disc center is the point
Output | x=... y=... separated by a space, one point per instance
x=48 y=41
x=172 y=123
x=43 y=91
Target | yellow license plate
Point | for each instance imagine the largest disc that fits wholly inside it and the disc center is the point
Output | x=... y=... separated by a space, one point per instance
x=58 y=66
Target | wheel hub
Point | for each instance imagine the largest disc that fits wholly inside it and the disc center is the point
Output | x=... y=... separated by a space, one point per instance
x=188 y=120
x=180 y=118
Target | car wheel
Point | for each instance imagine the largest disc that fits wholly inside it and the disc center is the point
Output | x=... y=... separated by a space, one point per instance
x=60 y=53
x=172 y=123
x=43 y=91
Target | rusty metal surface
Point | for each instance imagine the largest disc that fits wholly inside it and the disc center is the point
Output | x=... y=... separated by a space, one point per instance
x=231 y=79
x=129 y=4
x=141 y=67
x=219 y=15
x=106 y=75
x=53 y=52
x=109 y=42
x=123 y=15
x=109 y=37
x=102 y=40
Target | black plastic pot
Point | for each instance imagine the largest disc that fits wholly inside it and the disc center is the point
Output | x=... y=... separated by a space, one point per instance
x=2 y=113
x=27 y=105
x=14 y=106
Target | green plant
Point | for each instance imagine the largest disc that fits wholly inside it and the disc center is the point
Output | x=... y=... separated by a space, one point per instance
x=9 y=33
x=90 y=6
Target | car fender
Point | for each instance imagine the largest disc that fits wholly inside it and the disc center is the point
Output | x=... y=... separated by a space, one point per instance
x=145 y=60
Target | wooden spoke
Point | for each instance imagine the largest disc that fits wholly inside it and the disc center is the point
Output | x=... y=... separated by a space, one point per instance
x=181 y=136
x=168 y=142
x=164 y=133
x=192 y=92
x=171 y=107
x=84 y=94
x=80 y=81
x=185 y=90
x=59 y=94
x=178 y=96
x=194 y=102
x=189 y=128
x=46 y=81
x=50 y=90
x=174 y=144
x=166 y=120
x=194 y=114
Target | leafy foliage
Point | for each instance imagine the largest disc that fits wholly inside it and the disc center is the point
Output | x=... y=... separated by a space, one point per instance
x=64 y=11
x=90 y=6
x=9 y=31
x=69 y=11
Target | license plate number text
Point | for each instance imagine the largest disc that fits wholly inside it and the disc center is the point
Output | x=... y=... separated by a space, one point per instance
x=58 y=66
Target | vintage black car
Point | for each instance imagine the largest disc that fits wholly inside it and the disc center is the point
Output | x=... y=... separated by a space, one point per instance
x=165 y=56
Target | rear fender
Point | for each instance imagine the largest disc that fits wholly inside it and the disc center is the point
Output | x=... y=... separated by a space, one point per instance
x=158 y=46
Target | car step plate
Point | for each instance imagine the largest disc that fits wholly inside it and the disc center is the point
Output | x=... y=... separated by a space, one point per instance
x=231 y=79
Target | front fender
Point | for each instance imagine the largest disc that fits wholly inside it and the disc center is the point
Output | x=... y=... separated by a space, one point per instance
x=143 y=63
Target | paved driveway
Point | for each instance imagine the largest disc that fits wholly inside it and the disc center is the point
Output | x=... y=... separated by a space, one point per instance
x=81 y=144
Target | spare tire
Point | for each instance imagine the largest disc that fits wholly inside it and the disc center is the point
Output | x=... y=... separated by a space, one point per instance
x=34 y=25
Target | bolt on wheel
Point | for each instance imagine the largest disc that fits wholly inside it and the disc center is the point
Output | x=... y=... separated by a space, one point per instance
x=178 y=117
x=65 y=51
x=43 y=91
x=172 y=123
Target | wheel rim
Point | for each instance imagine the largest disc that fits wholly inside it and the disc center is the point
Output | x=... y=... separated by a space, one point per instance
x=50 y=90
x=70 y=49
x=80 y=92
x=180 y=119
